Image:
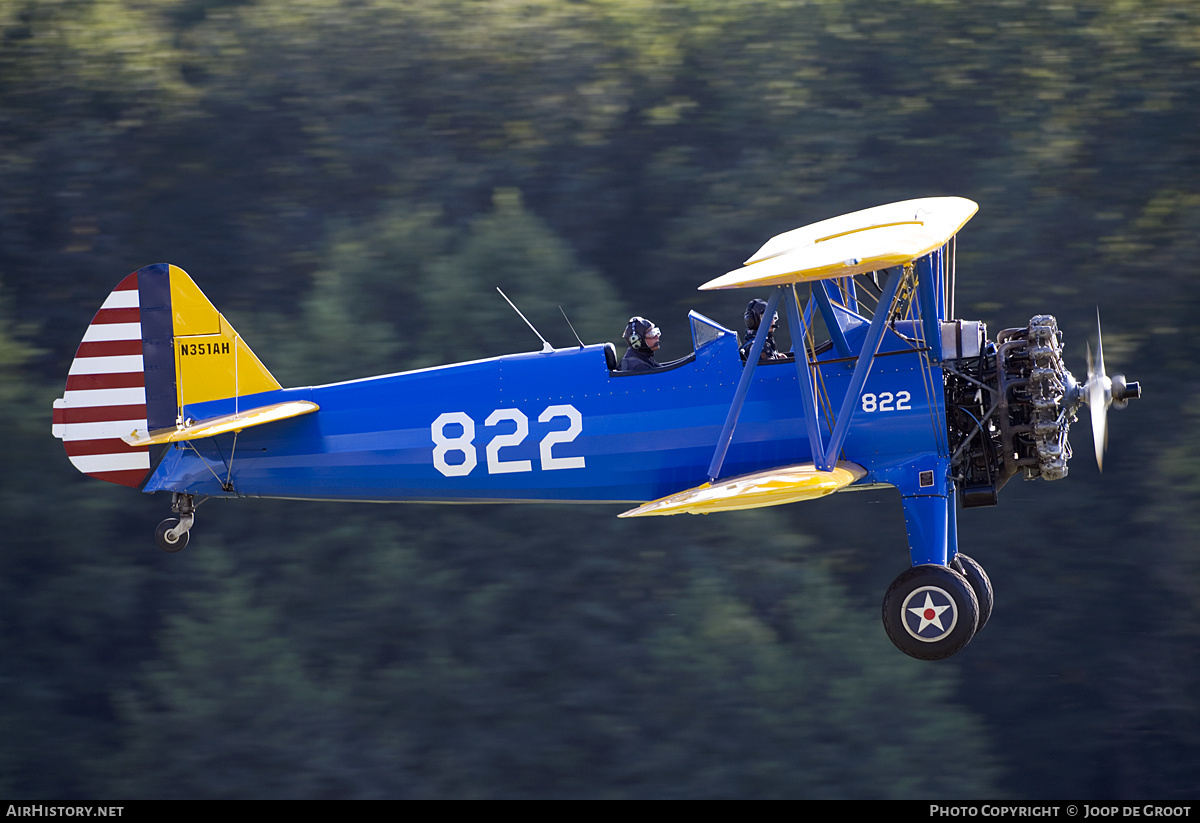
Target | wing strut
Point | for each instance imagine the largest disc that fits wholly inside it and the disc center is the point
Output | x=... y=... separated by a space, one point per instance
x=824 y=455
x=930 y=273
x=808 y=388
x=820 y=295
x=862 y=369
x=739 y=397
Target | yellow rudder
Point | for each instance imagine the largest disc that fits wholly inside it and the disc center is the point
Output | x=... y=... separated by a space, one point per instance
x=212 y=361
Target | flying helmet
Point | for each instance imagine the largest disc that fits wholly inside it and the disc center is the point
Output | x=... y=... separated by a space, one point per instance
x=754 y=312
x=637 y=331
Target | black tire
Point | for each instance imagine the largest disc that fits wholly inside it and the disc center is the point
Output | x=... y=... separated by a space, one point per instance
x=980 y=584
x=164 y=542
x=930 y=612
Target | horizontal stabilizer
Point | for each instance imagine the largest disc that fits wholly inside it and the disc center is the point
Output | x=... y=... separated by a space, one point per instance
x=864 y=241
x=220 y=425
x=774 y=487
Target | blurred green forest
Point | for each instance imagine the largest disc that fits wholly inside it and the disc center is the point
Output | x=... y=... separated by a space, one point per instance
x=348 y=180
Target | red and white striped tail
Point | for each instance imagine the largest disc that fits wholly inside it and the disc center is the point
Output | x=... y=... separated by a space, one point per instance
x=106 y=393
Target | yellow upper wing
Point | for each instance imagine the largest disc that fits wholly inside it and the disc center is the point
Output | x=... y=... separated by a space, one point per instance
x=856 y=243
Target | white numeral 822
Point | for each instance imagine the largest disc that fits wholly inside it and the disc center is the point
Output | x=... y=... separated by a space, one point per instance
x=886 y=401
x=465 y=442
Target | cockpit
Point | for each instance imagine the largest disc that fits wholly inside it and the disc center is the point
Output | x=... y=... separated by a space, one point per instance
x=706 y=334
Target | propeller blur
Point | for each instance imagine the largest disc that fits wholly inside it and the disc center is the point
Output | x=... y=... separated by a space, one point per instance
x=1100 y=392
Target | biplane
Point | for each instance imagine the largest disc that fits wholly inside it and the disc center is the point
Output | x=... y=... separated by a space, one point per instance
x=885 y=388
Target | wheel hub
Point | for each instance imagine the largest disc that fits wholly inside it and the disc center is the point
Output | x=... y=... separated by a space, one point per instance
x=929 y=614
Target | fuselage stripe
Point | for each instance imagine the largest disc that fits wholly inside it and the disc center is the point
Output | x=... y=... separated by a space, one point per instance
x=112 y=331
x=105 y=446
x=121 y=364
x=91 y=463
x=129 y=283
x=126 y=298
x=105 y=397
x=106 y=380
x=98 y=414
x=109 y=348
x=103 y=430
x=133 y=479
x=112 y=316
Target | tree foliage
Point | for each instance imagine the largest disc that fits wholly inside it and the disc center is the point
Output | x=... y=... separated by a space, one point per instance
x=350 y=181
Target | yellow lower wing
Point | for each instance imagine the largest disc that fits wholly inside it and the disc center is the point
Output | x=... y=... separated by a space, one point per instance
x=786 y=484
x=221 y=425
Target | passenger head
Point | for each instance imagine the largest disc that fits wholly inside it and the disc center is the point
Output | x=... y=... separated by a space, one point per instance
x=642 y=335
x=755 y=309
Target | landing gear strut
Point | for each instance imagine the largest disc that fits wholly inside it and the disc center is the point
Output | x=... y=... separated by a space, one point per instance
x=172 y=534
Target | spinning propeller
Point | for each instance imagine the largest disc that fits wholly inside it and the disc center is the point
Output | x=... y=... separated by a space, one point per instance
x=1100 y=391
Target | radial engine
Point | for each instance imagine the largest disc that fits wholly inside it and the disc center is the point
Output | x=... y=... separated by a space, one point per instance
x=1010 y=404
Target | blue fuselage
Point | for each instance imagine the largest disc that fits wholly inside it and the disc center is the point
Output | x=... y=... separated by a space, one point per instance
x=559 y=426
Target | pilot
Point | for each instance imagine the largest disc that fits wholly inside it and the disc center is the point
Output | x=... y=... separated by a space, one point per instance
x=643 y=339
x=754 y=313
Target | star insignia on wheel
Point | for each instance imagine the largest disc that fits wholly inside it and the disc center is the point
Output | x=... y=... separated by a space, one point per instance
x=930 y=614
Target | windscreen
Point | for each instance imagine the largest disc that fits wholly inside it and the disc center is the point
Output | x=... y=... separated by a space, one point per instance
x=705 y=331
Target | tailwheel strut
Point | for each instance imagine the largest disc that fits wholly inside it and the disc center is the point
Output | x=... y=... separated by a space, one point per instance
x=172 y=534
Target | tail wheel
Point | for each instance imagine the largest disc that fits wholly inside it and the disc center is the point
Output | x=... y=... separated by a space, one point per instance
x=930 y=612
x=980 y=584
x=167 y=541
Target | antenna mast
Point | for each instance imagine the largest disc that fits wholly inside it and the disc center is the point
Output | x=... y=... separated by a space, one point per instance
x=564 y=314
x=545 y=346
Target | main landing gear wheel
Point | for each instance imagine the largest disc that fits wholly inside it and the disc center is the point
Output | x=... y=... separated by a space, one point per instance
x=930 y=612
x=980 y=584
x=168 y=539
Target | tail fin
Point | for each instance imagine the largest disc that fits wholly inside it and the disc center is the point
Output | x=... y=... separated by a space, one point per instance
x=156 y=346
